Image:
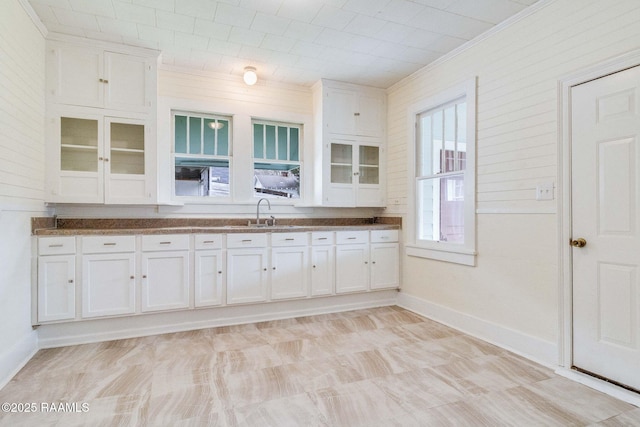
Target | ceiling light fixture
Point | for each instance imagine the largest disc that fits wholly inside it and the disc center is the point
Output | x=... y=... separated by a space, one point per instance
x=250 y=77
x=215 y=125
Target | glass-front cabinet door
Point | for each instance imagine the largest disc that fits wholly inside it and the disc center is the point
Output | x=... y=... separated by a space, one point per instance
x=341 y=163
x=78 y=144
x=369 y=164
x=99 y=160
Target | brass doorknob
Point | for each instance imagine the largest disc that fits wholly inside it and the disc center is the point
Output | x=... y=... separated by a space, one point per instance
x=578 y=243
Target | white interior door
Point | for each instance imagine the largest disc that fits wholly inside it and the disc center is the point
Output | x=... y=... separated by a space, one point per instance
x=605 y=127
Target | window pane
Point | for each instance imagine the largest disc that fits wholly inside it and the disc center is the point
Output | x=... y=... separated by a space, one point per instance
x=223 y=138
x=209 y=143
x=258 y=141
x=441 y=209
x=202 y=178
x=270 y=138
x=437 y=143
x=294 y=150
x=283 y=137
x=195 y=135
x=462 y=135
x=423 y=167
x=277 y=180
x=181 y=134
x=450 y=139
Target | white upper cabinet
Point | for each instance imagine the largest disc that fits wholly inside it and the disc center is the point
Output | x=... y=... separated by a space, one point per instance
x=354 y=111
x=96 y=77
x=98 y=159
x=350 y=151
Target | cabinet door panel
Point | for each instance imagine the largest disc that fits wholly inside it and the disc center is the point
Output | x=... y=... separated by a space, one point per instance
x=372 y=115
x=108 y=284
x=352 y=268
x=246 y=275
x=322 y=270
x=342 y=110
x=127 y=76
x=209 y=278
x=385 y=260
x=56 y=288
x=165 y=280
x=289 y=272
x=76 y=74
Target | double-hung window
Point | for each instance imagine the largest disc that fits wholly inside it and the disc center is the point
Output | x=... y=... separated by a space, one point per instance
x=276 y=159
x=444 y=177
x=202 y=155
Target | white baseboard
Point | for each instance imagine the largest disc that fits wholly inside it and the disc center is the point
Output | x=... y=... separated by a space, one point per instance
x=14 y=358
x=72 y=333
x=600 y=385
x=540 y=351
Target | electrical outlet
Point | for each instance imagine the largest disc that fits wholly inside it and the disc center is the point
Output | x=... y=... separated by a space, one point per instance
x=544 y=191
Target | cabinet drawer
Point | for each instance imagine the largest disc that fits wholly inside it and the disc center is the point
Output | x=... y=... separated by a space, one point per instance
x=381 y=236
x=108 y=244
x=56 y=245
x=320 y=238
x=247 y=240
x=165 y=242
x=350 y=237
x=289 y=239
x=208 y=241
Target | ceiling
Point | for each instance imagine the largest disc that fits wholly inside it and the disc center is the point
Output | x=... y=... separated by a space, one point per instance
x=371 y=42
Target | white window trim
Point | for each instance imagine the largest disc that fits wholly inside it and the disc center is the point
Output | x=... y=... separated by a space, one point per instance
x=442 y=251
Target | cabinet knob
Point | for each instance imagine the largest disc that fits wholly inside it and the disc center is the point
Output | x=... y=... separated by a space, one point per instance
x=106 y=159
x=265 y=269
x=274 y=268
x=132 y=277
x=70 y=280
x=100 y=158
x=144 y=276
x=220 y=272
x=356 y=114
x=366 y=262
x=314 y=266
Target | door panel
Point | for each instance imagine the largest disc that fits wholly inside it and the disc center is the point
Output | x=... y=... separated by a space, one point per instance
x=605 y=126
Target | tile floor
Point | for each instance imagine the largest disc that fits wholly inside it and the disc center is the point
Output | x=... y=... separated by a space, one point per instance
x=377 y=367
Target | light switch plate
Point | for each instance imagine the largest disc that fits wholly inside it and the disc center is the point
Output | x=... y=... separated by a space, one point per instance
x=544 y=191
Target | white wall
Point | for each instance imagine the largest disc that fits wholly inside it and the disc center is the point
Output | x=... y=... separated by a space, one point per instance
x=21 y=178
x=515 y=284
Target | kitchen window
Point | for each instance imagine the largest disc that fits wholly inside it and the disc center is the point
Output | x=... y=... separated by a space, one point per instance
x=276 y=159
x=443 y=178
x=202 y=155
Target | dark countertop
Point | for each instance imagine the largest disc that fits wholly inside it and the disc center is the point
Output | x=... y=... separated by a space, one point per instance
x=93 y=227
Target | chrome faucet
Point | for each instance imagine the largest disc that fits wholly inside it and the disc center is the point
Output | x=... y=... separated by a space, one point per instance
x=258 y=211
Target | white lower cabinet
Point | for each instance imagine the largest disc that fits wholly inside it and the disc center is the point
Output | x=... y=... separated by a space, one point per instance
x=56 y=284
x=165 y=272
x=209 y=275
x=323 y=254
x=352 y=261
x=289 y=265
x=132 y=275
x=247 y=272
x=56 y=288
x=385 y=259
x=108 y=276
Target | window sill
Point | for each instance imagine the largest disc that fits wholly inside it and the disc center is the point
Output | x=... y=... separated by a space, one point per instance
x=463 y=257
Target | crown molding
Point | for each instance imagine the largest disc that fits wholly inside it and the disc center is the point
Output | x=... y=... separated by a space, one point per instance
x=26 y=6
